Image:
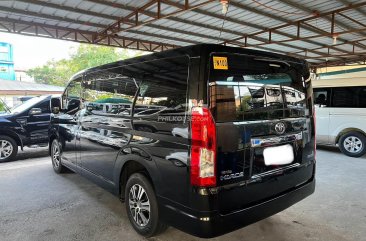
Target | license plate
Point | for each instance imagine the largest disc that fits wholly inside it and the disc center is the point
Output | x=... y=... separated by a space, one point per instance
x=278 y=155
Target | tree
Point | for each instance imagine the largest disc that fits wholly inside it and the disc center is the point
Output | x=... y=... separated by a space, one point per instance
x=85 y=56
x=53 y=73
x=2 y=107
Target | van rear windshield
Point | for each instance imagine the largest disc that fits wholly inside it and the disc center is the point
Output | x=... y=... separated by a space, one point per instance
x=247 y=88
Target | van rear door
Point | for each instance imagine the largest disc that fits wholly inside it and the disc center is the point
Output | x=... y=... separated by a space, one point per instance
x=264 y=124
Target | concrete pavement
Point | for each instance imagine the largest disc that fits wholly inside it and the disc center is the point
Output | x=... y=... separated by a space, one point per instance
x=37 y=204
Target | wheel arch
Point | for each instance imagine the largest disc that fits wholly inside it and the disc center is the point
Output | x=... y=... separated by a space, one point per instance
x=134 y=164
x=13 y=135
x=51 y=138
x=346 y=130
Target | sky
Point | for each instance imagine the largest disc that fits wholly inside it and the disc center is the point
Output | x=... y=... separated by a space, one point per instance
x=31 y=51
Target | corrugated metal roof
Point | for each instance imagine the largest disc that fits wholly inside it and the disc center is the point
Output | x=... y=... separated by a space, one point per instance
x=6 y=85
x=140 y=24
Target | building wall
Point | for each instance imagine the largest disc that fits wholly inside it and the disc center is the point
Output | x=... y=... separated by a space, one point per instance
x=6 y=62
x=21 y=75
x=11 y=98
x=343 y=72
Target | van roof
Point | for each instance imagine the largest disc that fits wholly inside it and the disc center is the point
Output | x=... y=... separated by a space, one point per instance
x=201 y=50
x=341 y=82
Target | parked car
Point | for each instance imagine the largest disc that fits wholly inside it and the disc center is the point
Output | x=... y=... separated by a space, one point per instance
x=240 y=148
x=25 y=125
x=340 y=106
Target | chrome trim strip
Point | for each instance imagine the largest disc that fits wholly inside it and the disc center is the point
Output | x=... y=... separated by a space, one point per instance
x=237 y=83
x=275 y=171
x=266 y=121
x=258 y=142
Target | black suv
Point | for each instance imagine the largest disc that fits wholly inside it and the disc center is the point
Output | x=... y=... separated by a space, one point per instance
x=205 y=138
x=25 y=125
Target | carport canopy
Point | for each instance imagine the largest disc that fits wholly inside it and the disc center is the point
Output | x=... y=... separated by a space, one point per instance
x=324 y=32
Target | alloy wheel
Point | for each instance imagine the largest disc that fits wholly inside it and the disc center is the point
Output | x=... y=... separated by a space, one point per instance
x=6 y=149
x=56 y=154
x=353 y=144
x=139 y=205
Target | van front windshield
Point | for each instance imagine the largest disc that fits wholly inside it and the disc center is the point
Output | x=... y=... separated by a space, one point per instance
x=246 y=88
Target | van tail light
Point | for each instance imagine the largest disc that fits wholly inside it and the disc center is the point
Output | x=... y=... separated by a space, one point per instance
x=203 y=149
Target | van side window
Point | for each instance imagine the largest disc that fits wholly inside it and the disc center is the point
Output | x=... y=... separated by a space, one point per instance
x=163 y=90
x=350 y=97
x=344 y=97
x=362 y=97
x=109 y=92
x=321 y=97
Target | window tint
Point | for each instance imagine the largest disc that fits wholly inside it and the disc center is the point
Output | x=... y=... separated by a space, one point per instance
x=344 y=97
x=109 y=92
x=162 y=83
x=362 y=97
x=163 y=89
x=254 y=102
x=349 y=97
x=254 y=89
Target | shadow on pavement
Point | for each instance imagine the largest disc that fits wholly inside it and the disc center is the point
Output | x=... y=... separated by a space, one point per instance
x=328 y=148
x=334 y=149
x=30 y=153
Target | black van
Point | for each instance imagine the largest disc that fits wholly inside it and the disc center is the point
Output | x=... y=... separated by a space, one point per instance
x=205 y=138
x=25 y=125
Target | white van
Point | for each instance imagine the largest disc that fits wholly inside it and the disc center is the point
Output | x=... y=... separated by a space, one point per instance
x=340 y=106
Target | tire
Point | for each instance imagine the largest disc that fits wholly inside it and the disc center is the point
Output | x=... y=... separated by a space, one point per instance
x=144 y=218
x=56 y=150
x=352 y=144
x=8 y=148
x=62 y=141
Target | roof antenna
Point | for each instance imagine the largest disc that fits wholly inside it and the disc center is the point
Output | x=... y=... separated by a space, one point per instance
x=225 y=9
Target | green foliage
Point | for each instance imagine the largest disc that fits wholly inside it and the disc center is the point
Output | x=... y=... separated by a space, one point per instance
x=2 y=107
x=103 y=96
x=85 y=56
x=244 y=104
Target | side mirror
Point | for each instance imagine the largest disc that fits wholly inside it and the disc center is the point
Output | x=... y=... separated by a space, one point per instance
x=73 y=106
x=35 y=111
x=55 y=110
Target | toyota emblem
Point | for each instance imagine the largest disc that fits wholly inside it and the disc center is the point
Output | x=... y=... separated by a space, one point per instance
x=280 y=128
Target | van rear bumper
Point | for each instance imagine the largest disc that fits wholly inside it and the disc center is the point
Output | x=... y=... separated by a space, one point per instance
x=212 y=224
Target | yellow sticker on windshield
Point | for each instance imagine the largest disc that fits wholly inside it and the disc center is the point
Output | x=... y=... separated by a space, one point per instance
x=220 y=63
